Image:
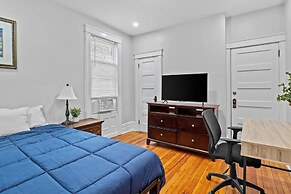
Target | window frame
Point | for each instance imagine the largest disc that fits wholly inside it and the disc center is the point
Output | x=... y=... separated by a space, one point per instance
x=89 y=31
x=113 y=64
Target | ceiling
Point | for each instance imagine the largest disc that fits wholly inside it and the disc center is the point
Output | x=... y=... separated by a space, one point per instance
x=157 y=14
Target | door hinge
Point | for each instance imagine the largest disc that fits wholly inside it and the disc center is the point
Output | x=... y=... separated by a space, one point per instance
x=138 y=122
x=279 y=53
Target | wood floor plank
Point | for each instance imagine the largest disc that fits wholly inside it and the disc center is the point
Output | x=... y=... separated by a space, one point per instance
x=186 y=171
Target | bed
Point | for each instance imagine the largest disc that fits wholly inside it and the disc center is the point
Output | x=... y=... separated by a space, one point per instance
x=55 y=159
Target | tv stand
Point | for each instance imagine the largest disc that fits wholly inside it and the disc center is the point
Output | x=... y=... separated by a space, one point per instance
x=179 y=124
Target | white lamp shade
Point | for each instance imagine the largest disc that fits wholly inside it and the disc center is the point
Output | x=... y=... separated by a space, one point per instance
x=67 y=93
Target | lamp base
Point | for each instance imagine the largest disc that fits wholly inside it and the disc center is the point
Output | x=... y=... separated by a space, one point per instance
x=67 y=122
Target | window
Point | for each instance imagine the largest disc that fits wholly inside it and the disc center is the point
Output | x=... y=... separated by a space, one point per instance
x=104 y=74
x=103 y=61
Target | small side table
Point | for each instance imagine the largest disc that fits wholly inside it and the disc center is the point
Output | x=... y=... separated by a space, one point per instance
x=90 y=125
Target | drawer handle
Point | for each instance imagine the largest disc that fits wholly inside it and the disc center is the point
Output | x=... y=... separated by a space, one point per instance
x=161 y=134
x=192 y=140
x=162 y=121
x=193 y=125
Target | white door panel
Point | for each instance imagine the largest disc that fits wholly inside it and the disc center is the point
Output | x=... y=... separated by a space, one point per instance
x=254 y=80
x=148 y=66
x=257 y=94
x=148 y=92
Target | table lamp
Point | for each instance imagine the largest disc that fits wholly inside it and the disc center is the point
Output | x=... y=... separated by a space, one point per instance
x=67 y=94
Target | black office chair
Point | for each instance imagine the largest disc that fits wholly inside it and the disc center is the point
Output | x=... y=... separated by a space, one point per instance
x=229 y=152
x=235 y=131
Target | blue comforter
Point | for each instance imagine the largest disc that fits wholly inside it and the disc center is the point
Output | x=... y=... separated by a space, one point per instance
x=54 y=159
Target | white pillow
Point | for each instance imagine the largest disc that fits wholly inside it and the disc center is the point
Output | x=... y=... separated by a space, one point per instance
x=36 y=117
x=13 y=120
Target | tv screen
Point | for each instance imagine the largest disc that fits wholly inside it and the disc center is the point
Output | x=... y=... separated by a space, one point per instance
x=185 y=87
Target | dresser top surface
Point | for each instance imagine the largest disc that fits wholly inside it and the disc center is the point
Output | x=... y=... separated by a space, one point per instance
x=185 y=104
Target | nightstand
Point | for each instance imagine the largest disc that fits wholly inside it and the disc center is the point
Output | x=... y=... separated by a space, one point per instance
x=90 y=125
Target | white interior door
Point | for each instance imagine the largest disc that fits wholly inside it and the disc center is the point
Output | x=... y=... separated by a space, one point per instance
x=254 y=80
x=148 y=86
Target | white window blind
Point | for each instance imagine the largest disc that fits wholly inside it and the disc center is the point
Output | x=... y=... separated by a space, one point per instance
x=103 y=60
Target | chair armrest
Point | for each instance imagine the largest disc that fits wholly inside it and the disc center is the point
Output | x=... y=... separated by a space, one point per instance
x=235 y=131
x=230 y=143
x=235 y=128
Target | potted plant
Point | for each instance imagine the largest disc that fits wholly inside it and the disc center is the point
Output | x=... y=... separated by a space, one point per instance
x=286 y=95
x=75 y=112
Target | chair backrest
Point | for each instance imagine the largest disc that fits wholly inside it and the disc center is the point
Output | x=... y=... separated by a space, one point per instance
x=213 y=128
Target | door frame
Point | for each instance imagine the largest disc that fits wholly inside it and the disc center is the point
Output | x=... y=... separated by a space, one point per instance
x=280 y=39
x=156 y=53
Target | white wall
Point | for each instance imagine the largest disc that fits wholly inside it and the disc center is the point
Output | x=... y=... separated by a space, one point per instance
x=288 y=46
x=256 y=24
x=51 y=54
x=198 y=46
x=288 y=34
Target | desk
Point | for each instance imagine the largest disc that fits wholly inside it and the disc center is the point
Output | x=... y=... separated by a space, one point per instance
x=266 y=140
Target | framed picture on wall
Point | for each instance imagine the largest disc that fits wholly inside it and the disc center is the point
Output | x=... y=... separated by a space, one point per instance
x=8 y=57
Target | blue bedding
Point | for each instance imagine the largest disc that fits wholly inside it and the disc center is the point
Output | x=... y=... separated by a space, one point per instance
x=54 y=159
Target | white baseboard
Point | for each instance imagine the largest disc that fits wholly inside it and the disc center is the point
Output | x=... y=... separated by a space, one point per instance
x=110 y=134
x=127 y=127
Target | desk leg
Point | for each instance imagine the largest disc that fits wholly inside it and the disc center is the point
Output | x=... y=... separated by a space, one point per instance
x=245 y=175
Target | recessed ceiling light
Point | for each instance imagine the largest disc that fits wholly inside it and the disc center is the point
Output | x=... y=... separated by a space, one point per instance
x=103 y=34
x=135 y=24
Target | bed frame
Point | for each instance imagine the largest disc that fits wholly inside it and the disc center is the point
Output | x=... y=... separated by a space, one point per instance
x=153 y=188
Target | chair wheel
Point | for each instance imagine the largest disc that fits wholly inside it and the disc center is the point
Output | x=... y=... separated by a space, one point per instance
x=208 y=177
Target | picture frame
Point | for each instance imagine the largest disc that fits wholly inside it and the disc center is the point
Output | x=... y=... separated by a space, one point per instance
x=8 y=50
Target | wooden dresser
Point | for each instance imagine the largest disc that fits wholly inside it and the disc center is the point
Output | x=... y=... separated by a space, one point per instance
x=179 y=124
x=90 y=125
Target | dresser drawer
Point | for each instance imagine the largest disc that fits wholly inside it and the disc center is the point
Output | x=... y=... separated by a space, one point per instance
x=88 y=129
x=95 y=130
x=163 y=121
x=162 y=135
x=193 y=140
x=92 y=129
x=192 y=124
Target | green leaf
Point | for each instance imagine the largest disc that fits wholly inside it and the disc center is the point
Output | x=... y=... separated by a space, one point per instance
x=75 y=112
x=286 y=90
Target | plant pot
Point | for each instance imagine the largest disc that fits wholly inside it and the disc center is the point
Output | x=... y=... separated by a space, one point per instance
x=75 y=119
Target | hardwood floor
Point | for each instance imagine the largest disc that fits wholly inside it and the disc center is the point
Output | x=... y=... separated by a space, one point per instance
x=186 y=170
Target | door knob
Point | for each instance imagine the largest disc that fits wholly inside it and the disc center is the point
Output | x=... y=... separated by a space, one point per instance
x=234 y=103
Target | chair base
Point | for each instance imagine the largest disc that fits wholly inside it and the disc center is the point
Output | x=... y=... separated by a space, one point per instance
x=233 y=182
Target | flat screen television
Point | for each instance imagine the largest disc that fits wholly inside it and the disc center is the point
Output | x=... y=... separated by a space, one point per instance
x=185 y=87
